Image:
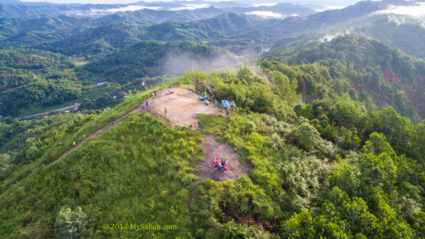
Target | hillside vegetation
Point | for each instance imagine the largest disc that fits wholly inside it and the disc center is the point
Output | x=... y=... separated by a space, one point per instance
x=359 y=177
x=367 y=70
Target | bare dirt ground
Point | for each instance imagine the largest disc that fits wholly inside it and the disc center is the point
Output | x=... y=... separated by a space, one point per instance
x=182 y=107
x=212 y=148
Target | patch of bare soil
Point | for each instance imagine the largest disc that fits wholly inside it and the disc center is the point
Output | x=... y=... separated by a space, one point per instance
x=182 y=107
x=212 y=148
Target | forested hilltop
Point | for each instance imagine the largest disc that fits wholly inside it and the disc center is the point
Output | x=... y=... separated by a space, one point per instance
x=367 y=70
x=328 y=168
x=208 y=119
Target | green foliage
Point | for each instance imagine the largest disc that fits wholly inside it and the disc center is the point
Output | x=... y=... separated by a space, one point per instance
x=249 y=92
x=18 y=67
x=140 y=155
x=302 y=225
x=70 y=224
x=306 y=136
x=363 y=69
x=19 y=138
x=4 y=162
x=232 y=203
x=44 y=93
x=274 y=160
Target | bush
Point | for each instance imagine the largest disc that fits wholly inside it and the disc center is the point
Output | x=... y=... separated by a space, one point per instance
x=306 y=136
x=70 y=224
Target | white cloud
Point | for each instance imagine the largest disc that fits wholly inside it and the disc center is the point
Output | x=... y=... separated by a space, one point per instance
x=87 y=1
x=417 y=10
x=100 y=12
x=190 y=7
x=265 y=4
x=336 y=7
x=130 y=8
x=265 y=14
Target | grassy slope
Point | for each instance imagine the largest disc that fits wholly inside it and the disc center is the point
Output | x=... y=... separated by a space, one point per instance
x=118 y=177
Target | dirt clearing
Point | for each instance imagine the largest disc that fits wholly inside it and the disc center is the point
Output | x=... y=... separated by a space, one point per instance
x=182 y=107
x=212 y=148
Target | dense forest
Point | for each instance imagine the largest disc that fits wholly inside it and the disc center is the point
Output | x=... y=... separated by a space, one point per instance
x=368 y=70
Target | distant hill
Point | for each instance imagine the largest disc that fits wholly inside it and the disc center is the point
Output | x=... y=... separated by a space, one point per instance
x=98 y=41
x=223 y=26
x=29 y=10
x=143 y=12
x=150 y=58
x=402 y=32
x=370 y=19
x=30 y=32
x=212 y=24
x=374 y=70
x=147 y=17
x=94 y=41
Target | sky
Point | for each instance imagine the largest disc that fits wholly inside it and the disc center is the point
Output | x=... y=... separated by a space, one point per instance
x=318 y=2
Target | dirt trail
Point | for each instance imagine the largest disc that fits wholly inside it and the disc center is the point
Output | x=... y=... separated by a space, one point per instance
x=139 y=109
x=212 y=148
x=182 y=106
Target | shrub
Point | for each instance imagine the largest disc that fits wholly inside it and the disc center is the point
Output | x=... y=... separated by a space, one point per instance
x=70 y=224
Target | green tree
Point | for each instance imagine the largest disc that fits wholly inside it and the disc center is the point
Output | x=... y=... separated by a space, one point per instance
x=70 y=224
x=306 y=136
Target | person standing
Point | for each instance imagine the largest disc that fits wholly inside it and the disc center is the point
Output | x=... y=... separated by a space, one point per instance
x=154 y=92
x=165 y=112
x=147 y=103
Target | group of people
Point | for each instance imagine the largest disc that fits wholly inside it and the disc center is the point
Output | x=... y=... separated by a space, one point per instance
x=220 y=162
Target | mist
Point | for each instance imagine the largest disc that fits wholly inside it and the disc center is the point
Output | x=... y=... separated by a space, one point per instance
x=178 y=64
x=417 y=10
x=265 y=14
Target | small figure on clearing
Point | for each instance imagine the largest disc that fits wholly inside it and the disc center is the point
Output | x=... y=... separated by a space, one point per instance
x=220 y=163
x=216 y=161
x=219 y=166
x=224 y=163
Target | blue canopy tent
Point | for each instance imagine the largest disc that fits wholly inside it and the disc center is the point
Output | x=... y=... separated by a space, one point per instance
x=225 y=104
